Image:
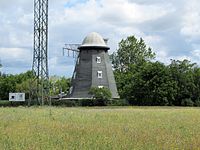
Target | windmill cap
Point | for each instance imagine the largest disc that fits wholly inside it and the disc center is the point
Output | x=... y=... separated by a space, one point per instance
x=94 y=40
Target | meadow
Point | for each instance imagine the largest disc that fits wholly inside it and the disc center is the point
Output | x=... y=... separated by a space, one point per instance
x=99 y=128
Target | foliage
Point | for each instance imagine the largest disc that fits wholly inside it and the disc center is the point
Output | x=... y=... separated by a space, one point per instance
x=68 y=103
x=87 y=102
x=186 y=75
x=131 y=51
x=197 y=102
x=25 y=82
x=4 y=103
x=118 y=102
x=143 y=82
x=149 y=84
x=10 y=83
x=187 y=102
x=100 y=95
x=59 y=85
x=65 y=103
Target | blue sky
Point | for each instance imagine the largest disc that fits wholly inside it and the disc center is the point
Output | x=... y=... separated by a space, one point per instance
x=171 y=28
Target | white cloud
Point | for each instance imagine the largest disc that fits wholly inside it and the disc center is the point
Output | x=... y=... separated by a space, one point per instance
x=196 y=53
x=126 y=13
x=191 y=20
x=170 y=27
x=14 y=53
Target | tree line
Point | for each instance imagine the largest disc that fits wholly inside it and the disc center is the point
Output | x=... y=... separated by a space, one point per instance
x=25 y=81
x=143 y=81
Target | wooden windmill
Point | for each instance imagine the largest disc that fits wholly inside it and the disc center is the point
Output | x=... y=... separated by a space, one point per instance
x=93 y=67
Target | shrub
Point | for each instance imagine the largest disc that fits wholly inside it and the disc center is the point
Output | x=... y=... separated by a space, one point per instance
x=187 y=102
x=101 y=96
x=118 y=102
x=197 y=102
x=65 y=103
x=6 y=103
x=86 y=102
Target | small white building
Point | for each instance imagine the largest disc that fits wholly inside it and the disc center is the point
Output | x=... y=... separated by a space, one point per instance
x=17 y=97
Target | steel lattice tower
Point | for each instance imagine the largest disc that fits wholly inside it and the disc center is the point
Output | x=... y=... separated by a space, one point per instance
x=40 y=53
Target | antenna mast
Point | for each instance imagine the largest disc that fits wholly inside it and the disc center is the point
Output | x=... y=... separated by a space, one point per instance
x=40 y=53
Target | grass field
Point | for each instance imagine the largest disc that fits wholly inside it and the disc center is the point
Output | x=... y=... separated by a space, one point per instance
x=99 y=128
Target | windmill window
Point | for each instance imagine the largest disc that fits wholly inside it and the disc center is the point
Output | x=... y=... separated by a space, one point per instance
x=98 y=60
x=99 y=74
x=100 y=87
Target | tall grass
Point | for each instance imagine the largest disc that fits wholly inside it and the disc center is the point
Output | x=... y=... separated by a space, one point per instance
x=99 y=128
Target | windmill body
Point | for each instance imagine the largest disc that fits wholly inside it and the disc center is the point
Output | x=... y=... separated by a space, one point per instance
x=93 y=68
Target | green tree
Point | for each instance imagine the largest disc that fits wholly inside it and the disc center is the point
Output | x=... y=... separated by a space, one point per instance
x=131 y=51
x=196 y=94
x=8 y=83
x=59 y=84
x=149 y=84
x=131 y=55
x=26 y=86
x=186 y=75
x=143 y=82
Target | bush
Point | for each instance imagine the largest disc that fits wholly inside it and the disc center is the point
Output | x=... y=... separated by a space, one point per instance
x=6 y=103
x=118 y=102
x=187 y=102
x=86 y=102
x=101 y=96
x=66 y=103
x=197 y=102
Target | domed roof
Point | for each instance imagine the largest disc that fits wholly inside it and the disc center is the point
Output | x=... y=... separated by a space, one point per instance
x=94 y=40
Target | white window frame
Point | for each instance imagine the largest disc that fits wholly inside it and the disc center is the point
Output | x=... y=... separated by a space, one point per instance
x=100 y=74
x=100 y=86
x=98 y=59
